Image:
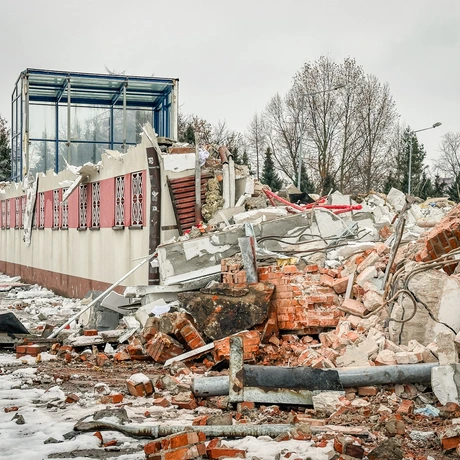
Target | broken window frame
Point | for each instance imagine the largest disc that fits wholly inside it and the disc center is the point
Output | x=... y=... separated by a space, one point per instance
x=120 y=202
x=137 y=200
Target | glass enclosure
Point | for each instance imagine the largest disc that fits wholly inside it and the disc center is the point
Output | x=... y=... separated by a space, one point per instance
x=62 y=117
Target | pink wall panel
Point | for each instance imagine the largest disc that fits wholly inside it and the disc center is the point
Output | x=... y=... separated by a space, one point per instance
x=127 y=200
x=73 y=209
x=12 y=212
x=48 y=209
x=108 y=203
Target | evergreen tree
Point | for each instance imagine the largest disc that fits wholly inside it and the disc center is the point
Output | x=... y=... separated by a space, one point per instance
x=236 y=157
x=425 y=189
x=390 y=182
x=328 y=185
x=269 y=175
x=454 y=189
x=5 y=151
x=306 y=185
x=418 y=155
x=188 y=135
x=439 y=186
x=245 y=160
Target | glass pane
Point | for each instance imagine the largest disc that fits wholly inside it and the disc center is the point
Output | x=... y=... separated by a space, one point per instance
x=42 y=156
x=42 y=121
x=80 y=153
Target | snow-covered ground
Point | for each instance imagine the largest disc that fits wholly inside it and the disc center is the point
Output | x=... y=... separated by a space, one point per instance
x=42 y=425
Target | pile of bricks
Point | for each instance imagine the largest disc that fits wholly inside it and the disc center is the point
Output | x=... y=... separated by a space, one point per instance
x=442 y=239
x=304 y=300
x=179 y=446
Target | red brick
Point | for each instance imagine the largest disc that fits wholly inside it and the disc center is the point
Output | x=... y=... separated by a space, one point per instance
x=90 y=332
x=354 y=307
x=245 y=405
x=367 y=391
x=289 y=269
x=223 y=452
x=200 y=421
x=174 y=441
x=185 y=400
x=311 y=268
x=181 y=453
x=340 y=285
x=163 y=347
x=406 y=407
x=163 y=402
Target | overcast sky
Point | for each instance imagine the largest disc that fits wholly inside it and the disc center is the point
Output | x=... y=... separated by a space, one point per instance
x=232 y=56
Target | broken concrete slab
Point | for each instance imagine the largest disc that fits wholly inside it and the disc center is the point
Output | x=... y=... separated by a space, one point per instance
x=440 y=293
x=445 y=382
x=219 y=315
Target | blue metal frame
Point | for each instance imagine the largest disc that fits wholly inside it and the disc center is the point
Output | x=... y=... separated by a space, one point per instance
x=48 y=87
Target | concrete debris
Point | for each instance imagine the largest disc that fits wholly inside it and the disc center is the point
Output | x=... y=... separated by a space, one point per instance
x=343 y=287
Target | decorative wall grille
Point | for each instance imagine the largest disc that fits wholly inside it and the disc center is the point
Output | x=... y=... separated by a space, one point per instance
x=17 y=213
x=119 y=201
x=56 y=208
x=65 y=212
x=83 y=205
x=23 y=209
x=41 y=221
x=137 y=219
x=3 y=213
x=96 y=205
x=8 y=213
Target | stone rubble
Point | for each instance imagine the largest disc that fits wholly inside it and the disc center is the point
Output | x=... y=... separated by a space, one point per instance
x=323 y=312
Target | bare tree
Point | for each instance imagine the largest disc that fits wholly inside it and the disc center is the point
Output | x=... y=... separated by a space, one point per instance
x=350 y=139
x=377 y=116
x=256 y=138
x=449 y=161
x=282 y=119
x=321 y=113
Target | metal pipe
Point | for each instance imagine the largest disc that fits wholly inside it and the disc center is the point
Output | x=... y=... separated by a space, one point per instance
x=222 y=152
x=197 y=180
x=26 y=123
x=349 y=377
x=232 y=431
x=124 y=117
x=158 y=431
x=101 y=296
x=226 y=185
x=231 y=167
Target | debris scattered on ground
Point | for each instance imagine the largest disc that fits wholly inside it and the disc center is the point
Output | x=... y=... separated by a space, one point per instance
x=340 y=284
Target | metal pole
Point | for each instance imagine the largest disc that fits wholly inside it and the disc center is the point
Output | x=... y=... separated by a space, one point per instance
x=359 y=376
x=68 y=120
x=124 y=117
x=101 y=296
x=299 y=172
x=410 y=163
x=27 y=121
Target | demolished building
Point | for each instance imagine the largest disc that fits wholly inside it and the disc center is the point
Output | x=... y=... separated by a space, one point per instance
x=347 y=304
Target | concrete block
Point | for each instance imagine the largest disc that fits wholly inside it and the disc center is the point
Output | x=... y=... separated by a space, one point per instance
x=445 y=382
x=353 y=357
x=327 y=401
x=447 y=350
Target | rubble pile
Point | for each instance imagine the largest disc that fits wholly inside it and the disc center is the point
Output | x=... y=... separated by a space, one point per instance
x=348 y=332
